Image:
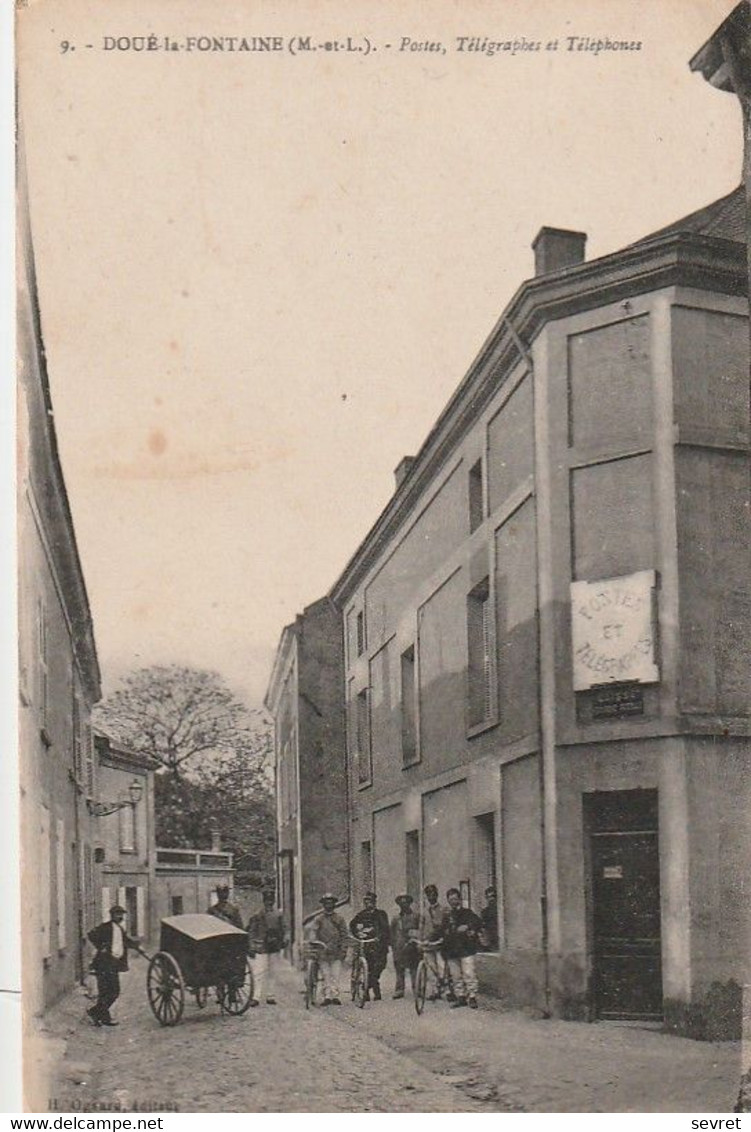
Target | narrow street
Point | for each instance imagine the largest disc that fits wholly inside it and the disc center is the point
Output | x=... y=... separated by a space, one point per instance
x=381 y=1059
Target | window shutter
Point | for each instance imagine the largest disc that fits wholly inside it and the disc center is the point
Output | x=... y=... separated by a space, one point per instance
x=60 y=881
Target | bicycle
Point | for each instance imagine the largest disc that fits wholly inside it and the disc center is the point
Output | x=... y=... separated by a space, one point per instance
x=428 y=965
x=312 y=952
x=360 y=977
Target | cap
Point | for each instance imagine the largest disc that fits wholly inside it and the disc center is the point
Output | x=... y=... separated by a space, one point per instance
x=370 y=896
x=117 y=908
x=405 y=898
x=328 y=896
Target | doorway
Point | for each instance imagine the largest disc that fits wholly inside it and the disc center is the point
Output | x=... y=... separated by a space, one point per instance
x=624 y=893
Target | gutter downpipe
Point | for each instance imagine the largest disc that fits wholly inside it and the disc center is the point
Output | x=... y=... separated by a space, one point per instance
x=543 y=759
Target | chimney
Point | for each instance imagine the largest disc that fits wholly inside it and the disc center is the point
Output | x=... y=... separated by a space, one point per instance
x=402 y=469
x=556 y=248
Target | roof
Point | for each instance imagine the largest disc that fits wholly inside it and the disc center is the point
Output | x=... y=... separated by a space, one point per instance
x=706 y=249
x=724 y=219
x=713 y=59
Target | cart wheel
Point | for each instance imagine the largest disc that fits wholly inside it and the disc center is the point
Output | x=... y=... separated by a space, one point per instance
x=235 y=996
x=311 y=983
x=166 y=989
x=360 y=982
x=421 y=985
x=202 y=997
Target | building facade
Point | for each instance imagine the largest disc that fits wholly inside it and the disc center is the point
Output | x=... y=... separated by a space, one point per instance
x=304 y=698
x=547 y=673
x=59 y=679
x=125 y=838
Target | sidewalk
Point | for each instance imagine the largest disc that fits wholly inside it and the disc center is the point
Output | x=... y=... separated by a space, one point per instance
x=533 y=1065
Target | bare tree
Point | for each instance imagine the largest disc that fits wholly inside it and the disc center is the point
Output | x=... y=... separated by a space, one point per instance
x=176 y=715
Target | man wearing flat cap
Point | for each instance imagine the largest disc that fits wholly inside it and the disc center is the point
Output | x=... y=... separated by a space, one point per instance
x=405 y=931
x=330 y=929
x=371 y=925
x=111 y=943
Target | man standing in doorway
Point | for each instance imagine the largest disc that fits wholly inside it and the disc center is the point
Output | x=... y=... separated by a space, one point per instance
x=266 y=940
x=489 y=917
x=460 y=939
x=111 y=943
x=331 y=930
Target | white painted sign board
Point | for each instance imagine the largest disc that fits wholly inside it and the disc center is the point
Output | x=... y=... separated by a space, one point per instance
x=613 y=631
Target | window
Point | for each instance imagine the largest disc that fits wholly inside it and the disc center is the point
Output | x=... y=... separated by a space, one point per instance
x=480 y=659
x=60 y=882
x=44 y=880
x=127 y=816
x=360 y=633
x=177 y=905
x=366 y=866
x=364 y=766
x=409 y=707
x=88 y=756
x=43 y=673
x=77 y=739
x=476 y=509
x=412 y=871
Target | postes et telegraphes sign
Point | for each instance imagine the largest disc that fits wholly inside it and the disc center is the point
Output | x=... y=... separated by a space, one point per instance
x=614 y=631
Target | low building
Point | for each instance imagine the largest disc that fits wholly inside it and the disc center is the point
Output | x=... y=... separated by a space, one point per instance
x=304 y=698
x=125 y=841
x=186 y=880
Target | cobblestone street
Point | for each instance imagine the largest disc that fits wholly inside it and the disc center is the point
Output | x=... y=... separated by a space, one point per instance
x=381 y=1059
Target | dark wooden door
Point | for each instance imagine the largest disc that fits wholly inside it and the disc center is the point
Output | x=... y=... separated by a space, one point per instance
x=626 y=924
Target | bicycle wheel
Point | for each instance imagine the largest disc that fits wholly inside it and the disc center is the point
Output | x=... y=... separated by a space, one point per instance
x=360 y=982
x=311 y=983
x=421 y=985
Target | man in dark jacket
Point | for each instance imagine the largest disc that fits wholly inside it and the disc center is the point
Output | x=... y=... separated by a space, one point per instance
x=111 y=943
x=223 y=909
x=461 y=934
x=489 y=917
x=372 y=924
x=405 y=931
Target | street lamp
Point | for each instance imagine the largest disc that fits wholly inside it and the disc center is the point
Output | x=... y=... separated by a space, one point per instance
x=102 y=809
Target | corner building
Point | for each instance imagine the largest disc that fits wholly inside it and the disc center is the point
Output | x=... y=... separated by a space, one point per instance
x=547 y=638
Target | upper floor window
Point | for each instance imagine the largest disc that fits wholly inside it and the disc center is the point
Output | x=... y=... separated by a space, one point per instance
x=479 y=655
x=360 y=632
x=362 y=737
x=409 y=706
x=127 y=829
x=42 y=664
x=476 y=502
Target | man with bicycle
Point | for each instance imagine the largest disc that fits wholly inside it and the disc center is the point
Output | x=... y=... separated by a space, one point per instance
x=405 y=931
x=432 y=929
x=461 y=933
x=371 y=924
x=329 y=929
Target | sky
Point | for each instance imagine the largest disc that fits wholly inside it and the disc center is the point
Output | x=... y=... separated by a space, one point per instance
x=262 y=275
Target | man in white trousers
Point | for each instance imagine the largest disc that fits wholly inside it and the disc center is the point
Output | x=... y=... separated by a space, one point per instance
x=329 y=928
x=266 y=939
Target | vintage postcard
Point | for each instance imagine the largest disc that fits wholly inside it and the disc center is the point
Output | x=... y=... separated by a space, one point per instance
x=384 y=603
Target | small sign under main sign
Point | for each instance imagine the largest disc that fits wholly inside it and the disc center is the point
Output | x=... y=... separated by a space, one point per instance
x=612 y=703
x=613 y=872
x=613 y=631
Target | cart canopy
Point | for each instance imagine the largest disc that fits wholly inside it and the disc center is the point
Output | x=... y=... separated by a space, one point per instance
x=200 y=925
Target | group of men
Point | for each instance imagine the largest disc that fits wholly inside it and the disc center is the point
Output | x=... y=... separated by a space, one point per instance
x=457 y=933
